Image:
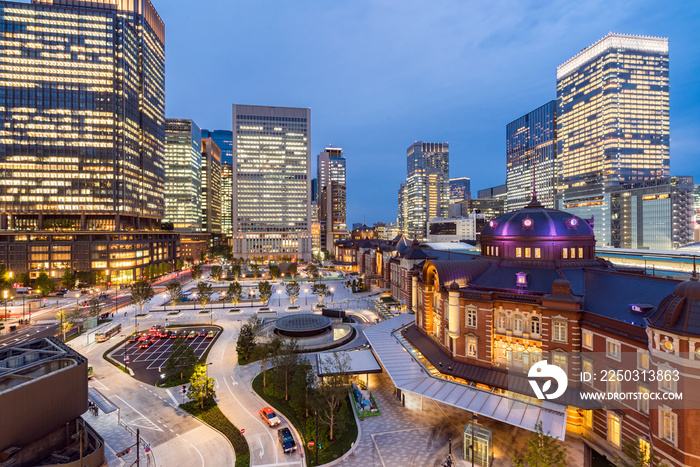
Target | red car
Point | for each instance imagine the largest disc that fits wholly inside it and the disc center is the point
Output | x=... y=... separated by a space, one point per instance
x=146 y=343
x=270 y=416
x=133 y=338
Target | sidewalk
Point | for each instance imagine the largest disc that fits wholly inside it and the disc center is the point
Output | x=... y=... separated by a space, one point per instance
x=118 y=438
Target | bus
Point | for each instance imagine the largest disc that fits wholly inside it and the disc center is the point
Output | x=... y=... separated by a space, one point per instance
x=105 y=334
x=91 y=372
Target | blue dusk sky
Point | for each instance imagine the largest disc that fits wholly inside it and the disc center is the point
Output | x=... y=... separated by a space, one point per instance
x=381 y=74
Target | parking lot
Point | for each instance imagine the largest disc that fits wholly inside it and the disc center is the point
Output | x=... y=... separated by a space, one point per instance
x=148 y=364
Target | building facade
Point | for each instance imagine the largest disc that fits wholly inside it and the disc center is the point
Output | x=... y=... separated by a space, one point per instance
x=452 y=230
x=331 y=167
x=494 y=192
x=621 y=79
x=531 y=157
x=226 y=197
x=183 y=175
x=211 y=187
x=224 y=140
x=70 y=153
x=460 y=189
x=653 y=215
x=271 y=182
x=427 y=192
x=331 y=197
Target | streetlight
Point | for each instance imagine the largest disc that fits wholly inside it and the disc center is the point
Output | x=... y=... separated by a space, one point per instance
x=332 y=294
x=250 y=294
x=306 y=296
x=279 y=295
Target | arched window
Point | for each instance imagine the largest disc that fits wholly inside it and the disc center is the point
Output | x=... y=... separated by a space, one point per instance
x=518 y=323
x=501 y=321
x=535 y=326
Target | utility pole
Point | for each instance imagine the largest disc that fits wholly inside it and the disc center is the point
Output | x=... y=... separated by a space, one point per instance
x=137 y=447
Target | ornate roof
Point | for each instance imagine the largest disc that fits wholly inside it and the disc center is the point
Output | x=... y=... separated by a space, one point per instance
x=460 y=271
x=680 y=311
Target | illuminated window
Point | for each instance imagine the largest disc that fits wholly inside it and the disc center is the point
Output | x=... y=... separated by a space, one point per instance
x=669 y=425
x=643 y=401
x=565 y=253
x=471 y=318
x=471 y=347
x=528 y=252
x=573 y=253
x=538 y=253
x=587 y=367
x=613 y=383
x=496 y=251
x=588 y=340
x=535 y=326
x=644 y=451
x=518 y=252
x=613 y=349
x=518 y=323
x=588 y=418
x=642 y=360
x=614 y=429
x=580 y=252
x=559 y=359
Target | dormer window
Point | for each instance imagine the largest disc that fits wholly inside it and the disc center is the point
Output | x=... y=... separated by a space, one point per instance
x=528 y=223
x=521 y=279
x=493 y=224
x=572 y=223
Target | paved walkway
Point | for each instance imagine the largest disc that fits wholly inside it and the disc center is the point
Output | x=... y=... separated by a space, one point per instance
x=117 y=438
x=415 y=436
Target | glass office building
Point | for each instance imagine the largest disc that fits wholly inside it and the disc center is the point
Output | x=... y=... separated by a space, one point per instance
x=612 y=123
x=531 y=156
x=330 y=167
x=82 y=98
x=331 y=196
x=183 y=175
x=271 y=182
x=427 y=186
x=224 y=140
x=226 y=197
x=460 y=189
x=211 y=187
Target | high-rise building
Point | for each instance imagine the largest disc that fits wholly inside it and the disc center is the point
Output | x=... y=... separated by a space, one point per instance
x=402 y=217
x=612 y=123
x=83 y=136
x=427 y=185
x=183 y=175
x=495 y=192
x=226 y=197
x=331 y=196
x=224 y=140
x=211 y=186
x=271 y=182
x=82 y=146
x=460 y=189
x=656 y=214
x=531 y=156
x=314 y=190
x=333 y=215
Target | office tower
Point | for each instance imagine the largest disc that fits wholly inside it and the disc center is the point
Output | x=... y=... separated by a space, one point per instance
x=211 y=187
x=656 y=214
x=224 y=140
x=495 y=192
x=612 y=123
x=331 y=196
x=83 y=139
x=271 y=182
x=314 y=190
x=460 y=189
x=333 y=215
x=401 y=219
x=226 y=197
x=427 y=185
x=531 y=156
x=183 y=175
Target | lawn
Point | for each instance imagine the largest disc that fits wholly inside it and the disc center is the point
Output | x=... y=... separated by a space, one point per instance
x=213 y=416
x=331 y=450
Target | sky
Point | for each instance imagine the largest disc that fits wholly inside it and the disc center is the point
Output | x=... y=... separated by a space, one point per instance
x=379 y=75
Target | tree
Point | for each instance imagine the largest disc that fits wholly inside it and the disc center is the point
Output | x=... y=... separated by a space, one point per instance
x=333 y=390
x=181 y=358
x=543 y=451
x=196 y=272
x=236 y=270
x=201 y=387
x=274 y=271
x=64 y=323
x=75 y=317
x=292 y=270
x=265 y=291
x=179 y=265
x=68 y=279
x=637 y=455
x=287 y=363
x=312 y=270
x=234 y=293
x=268 y=352
x=292 y=289
x=142 y=293
x=44 y=284
x=256 y=270
x=174 y=291
x=204 y=293
x=24 y=279
x=302 y=386
x=320 y=290
x=216 y=272
x=167 y=226
x=94 y=307
x=246 y=342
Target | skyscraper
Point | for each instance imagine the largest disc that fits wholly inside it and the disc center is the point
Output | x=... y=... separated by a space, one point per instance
x=211 y=187
x=427 y=185
x=460 y=189
x=612 y=123
x=82 y=148
x=402 y=218
x=271 y=182
x=84 y=115
x=531 y=155
x=224 y=140
x=183 y=174
x=331 y=196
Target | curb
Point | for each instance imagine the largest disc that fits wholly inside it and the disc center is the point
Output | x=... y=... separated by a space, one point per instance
x=212 y=428
x=351 y=452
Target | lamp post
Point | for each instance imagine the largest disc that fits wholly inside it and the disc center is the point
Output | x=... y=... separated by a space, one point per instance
x=279 y=295
x=331 y=294
x=306 y=296
x=4 y=296
x=250 y=295
x=475 y=418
